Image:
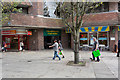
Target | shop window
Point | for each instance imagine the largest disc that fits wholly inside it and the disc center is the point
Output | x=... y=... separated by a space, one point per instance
x=83 y=39
x=102 y=8
x=102 y=38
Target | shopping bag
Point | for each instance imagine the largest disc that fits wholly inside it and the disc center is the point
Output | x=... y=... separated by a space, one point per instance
x=96 y=53
x=60 y=53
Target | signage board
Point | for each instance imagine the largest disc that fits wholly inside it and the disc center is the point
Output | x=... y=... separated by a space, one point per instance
x=52 y=32
x=11 y=32
x=29 y=33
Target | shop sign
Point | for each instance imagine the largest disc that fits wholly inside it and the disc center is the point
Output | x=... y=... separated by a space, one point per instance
x=21 y=31
x=112 y=38
x=29 y=33
x=91 y=29
x=83 y=38
x=102 y=38
x=52 y=32
x=13 y=32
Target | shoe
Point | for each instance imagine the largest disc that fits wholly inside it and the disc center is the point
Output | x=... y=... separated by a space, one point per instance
x=63 y=57
x=96 y=61
x=92 y=59
x=117 y=56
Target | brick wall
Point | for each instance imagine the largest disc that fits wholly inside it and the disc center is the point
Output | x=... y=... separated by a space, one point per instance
x=33 y=40
x=64 y=39
x=34 y=21
x=36 y=41
x=100 y=19
x=40 y=39
x=113 y=33
x=36 y=9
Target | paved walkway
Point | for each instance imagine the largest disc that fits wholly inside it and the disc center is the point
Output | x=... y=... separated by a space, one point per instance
x=39 y=64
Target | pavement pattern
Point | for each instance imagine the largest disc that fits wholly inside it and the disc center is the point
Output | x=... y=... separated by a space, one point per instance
x=39 y=64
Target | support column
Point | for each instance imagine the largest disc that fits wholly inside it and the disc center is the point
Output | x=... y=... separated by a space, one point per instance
x=64 y=39
x=33 y=40
x=40 y=39
x=113 y=34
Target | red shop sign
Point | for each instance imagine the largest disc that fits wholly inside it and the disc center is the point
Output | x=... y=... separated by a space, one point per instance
x=29 y=33
x=9 y=32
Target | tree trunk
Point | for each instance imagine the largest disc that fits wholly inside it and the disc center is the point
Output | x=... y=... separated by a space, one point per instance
x=76 y=49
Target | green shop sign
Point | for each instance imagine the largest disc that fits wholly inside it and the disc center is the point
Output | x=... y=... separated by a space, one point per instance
x=52 y=32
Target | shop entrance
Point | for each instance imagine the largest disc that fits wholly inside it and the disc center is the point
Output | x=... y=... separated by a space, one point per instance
x=50 y=35
x=13 y=41
x=49 y=40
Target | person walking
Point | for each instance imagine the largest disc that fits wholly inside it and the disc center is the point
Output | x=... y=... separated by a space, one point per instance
x=118 y=48
x=60 y=48
x=95 y=47
x=55 y=48
x=4 y=47
x=21 y=46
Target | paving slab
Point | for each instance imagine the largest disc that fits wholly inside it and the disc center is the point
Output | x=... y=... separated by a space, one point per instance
x=39 y=64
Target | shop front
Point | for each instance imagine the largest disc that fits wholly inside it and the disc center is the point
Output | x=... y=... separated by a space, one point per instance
x=87 y=34
x=50 y=35
x=13 y=38
x=101 y=33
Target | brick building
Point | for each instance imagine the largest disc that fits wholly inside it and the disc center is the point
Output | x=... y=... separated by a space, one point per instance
x=38 y=30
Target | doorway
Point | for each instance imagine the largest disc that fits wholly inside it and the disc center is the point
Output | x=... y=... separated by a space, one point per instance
x=14 y=42
x=49 y=40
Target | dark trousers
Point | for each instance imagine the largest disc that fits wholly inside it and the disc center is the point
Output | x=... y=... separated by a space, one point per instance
x=118 y=53
x=56 y=55
x=22 y=47
x=94 y=57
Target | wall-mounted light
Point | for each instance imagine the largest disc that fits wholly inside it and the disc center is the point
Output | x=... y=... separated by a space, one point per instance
x=35 y=30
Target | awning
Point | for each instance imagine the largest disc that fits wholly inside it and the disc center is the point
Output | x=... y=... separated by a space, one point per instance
x=92 y=29
x=118 y=28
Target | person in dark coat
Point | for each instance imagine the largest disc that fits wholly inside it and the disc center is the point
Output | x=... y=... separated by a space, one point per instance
x=118 y=48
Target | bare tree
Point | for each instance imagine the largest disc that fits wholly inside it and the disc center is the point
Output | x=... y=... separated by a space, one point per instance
x=74 y=16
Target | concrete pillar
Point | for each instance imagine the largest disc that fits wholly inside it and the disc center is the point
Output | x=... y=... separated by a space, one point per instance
x=113 y=6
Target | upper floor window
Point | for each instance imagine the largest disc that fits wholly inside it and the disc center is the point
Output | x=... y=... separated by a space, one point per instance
x=119 y=7
x=102 y=8
x=24 y=9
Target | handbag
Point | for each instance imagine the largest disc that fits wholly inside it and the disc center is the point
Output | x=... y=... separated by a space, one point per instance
x=5 y=45
x=96 y=53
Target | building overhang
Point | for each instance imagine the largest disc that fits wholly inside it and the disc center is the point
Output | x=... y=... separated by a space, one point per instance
x=30 y=27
